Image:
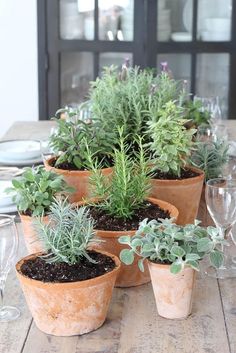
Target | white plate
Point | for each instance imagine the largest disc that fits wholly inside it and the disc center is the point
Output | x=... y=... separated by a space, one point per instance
x=5 y=199
x=21 y=162
x=8 y=209
x=181 y=37
x=19 y=149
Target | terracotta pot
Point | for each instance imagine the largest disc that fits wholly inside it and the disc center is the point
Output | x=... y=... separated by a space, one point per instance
x=203 y=214
x=129 y=276
x=67 y=309
x=32 y=242
x=184 y=194
x=173 y=292
x=79 y=179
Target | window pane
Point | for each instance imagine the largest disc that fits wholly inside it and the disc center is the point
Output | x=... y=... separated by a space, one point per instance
x=77 y=19
x=117 y=59
x=174 y=20
x=214 y=20
x=179 y=64
x=116 y=19
x=76 y=73
x=213 y=78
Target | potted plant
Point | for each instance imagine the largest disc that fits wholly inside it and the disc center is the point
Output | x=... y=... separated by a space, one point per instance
x=173 y=254
x=211 y=157
x=173 y=180
x=34 y=192
x=69 y=143
x=69 y=287
x=126 y=98
x=121 y=202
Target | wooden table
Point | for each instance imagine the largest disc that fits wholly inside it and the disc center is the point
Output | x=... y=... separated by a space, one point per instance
x=132 y=325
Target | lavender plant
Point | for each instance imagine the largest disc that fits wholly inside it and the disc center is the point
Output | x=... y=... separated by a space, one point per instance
x=178 y=246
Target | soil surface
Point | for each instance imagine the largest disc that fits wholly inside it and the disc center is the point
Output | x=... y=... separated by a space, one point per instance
x=41 y=270
x=106 y=163
x=185 y=174
x=104 y=221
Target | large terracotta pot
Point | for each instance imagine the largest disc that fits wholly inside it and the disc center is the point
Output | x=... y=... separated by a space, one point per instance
x=67 y=309
x=129 y=276
x=78 y=179
x=185 y=194
x=32 y=241
x=173 y=292
x=203 y=214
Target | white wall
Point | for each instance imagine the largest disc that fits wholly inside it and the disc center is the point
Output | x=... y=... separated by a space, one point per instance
x=18 y=62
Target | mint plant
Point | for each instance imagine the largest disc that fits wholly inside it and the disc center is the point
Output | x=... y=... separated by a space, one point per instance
x=68 y=234
x=210 y=157
x=125 y=191
x=35 y=190
x=178 y=246
x=171 y=142
x=71 y=137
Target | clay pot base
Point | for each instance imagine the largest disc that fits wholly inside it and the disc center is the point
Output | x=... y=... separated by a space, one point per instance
x=38 y=269
x=107 y=222
x=184 y=174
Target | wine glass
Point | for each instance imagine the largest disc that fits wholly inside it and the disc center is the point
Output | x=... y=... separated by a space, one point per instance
x=221 y=204
x=8 y=251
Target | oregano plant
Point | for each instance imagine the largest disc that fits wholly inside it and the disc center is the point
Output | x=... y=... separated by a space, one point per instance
x=164 y=242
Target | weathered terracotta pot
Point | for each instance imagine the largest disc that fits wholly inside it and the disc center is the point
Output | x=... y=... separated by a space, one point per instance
x=203 y=214
x=78 y=179
x=32 y=241
x=183 y=194
x=67 y=309
x=129 y=276
x=173 y=292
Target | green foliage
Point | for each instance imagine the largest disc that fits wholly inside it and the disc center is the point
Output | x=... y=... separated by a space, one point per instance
x=126 y=190
x=71 y=137
x=171 y=142
x=68 y=234
x=210 y=157
x=194 y=111
x=130 y=97
x=179 y=246
x=35 y=190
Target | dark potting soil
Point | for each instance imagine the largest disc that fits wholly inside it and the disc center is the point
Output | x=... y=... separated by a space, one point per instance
x=41 y=270
x=185 y=174
x=105 y=221
x=106 y=162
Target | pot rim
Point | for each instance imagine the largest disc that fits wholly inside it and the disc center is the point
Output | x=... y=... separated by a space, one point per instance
x=26 y=217
x=167 y=266
x=117 y=233
x=66 y=171
x=191 y=180
x=69 y=285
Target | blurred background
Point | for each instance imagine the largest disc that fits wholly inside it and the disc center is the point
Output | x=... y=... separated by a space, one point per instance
x=51 y=49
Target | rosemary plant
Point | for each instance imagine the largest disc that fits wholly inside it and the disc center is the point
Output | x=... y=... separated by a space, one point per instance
x=210 y=157
x=126 y=190
x=68 y=234
x=179 y=246
x=171 y=142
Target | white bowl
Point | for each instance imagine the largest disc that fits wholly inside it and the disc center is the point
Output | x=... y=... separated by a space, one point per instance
x=19 y=149
x=181 y=37
x=217 y=24
x=5 y=199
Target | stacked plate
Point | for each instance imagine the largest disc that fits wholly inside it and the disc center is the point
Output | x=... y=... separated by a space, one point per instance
x=164 y=25
x=6 y=203
x=20 y=152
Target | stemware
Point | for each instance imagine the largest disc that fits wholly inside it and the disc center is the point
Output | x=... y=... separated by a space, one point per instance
x=8 y=251
x=221 y=204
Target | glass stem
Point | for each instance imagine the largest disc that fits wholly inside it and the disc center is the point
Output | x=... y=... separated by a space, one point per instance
x=2 y=286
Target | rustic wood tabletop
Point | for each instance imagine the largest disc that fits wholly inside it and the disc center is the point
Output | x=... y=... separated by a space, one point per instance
x=132 y=325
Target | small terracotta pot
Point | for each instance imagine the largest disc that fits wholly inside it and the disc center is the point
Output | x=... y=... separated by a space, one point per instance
x=67 y=309
x=173 y=292
x=32 y=242
x=129 y=276
x=184 y=194
x=78 y=179
x=203 y=214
